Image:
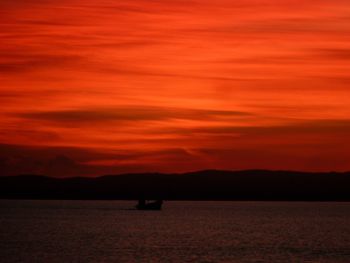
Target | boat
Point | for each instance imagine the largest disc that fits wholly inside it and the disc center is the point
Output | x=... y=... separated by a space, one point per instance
x=153 y=205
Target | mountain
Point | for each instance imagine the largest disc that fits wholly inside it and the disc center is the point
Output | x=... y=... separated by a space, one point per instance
x=201 y=185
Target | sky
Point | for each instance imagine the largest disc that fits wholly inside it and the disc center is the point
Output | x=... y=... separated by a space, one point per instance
x=92 y=87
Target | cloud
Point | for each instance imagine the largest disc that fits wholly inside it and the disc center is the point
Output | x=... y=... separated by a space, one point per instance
x=291 y=127
x=335 y=53
x=55 y=161
x=130 y=113
x=22 y=134
x=79 y=154
x=23 y=62
x=72 y=161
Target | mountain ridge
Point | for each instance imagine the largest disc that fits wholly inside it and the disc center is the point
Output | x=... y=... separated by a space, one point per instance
x=197 y=185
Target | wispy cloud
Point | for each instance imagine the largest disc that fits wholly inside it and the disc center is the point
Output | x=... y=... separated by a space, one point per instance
x=18 y=63
x=130 y=113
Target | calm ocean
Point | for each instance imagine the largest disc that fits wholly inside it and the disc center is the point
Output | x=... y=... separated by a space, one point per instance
x=107 y=231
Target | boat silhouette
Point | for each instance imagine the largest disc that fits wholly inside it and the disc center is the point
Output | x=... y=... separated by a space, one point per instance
x=153 y=205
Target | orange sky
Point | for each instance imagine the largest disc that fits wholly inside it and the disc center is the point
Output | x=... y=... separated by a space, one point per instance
x=101 y=86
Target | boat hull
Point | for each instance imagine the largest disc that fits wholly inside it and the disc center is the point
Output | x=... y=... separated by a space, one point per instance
x=150 y=206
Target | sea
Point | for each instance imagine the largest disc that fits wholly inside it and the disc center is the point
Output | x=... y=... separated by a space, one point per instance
x=184 y=231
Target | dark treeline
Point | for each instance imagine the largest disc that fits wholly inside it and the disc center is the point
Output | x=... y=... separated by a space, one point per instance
x=203 y=185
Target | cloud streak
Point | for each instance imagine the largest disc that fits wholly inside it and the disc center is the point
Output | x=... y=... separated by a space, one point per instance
x=131 y=113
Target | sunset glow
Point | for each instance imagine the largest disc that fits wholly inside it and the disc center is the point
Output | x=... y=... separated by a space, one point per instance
x=90 y=87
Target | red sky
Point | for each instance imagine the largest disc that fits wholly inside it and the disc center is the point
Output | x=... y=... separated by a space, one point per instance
x=99 y=86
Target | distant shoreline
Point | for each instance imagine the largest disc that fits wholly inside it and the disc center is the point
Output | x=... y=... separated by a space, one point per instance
x=210 y=185
x=185 y=200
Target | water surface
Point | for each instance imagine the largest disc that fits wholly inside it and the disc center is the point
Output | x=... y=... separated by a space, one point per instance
x=106 y=231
